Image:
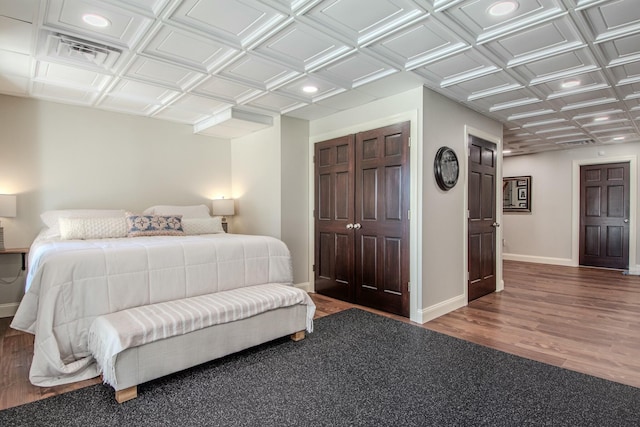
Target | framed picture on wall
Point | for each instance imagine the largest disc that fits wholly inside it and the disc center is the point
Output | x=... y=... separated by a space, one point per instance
x=522 y=193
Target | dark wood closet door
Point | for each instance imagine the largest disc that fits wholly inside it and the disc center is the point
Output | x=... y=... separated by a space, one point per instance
x=382 y=225
x=482 y=217
x=604 y=215
x=334 y=210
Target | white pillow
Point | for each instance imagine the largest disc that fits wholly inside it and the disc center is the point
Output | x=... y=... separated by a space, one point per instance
x=50 y=218
x=192 y=226
x=195 y=211
x=92 y=228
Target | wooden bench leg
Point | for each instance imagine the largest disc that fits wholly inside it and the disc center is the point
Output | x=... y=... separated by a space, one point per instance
x=126 y=394
x=297 y=336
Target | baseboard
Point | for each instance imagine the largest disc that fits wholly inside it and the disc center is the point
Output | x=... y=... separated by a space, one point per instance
x=306 y=286
x=539 y=259
x=633 y=271
x=8 y=310
x=442 y=308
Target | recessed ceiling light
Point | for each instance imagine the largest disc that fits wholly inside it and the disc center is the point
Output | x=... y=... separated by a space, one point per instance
x=618 y=138
x=601 y=119
x=570 y=83
x=310 y=89
x=501 y=8
x=96 y=20
x=506 y=151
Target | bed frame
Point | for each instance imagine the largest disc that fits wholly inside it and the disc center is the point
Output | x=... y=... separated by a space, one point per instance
x=156 y=359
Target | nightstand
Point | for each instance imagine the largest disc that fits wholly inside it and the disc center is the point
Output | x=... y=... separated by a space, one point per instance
x=21 y=251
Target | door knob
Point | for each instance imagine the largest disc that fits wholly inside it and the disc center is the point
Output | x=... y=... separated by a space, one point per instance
x=626 y=220
x=349 y=226
x=357 y=226
x=495 y=224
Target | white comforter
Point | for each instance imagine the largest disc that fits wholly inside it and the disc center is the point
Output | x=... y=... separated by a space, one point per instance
x=72 y=282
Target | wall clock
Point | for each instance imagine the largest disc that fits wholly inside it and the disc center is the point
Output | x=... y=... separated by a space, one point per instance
x=446 y=168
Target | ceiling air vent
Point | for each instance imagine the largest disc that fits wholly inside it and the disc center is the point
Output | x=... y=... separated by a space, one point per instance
x=577 y=142
x=79 y=51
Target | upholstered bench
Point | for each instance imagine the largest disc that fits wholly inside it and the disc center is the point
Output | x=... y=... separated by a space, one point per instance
x=140 y=344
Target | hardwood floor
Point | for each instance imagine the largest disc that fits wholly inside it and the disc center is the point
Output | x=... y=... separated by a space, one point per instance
x=583 y=319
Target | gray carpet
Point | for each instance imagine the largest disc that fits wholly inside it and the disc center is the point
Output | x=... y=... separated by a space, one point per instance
x=356 y=369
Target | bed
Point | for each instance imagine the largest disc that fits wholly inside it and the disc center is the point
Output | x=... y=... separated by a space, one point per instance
x=74 y=281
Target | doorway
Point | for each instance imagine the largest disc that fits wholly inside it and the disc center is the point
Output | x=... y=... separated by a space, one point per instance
x=482 y=221
x=361 y=218
x=604 y=215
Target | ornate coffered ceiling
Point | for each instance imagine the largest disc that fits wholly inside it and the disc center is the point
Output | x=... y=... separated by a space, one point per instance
x=556 y=73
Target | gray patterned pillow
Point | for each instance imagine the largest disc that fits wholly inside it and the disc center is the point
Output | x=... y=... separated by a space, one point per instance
x=154 y=225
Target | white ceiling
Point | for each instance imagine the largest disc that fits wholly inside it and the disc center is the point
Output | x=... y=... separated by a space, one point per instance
x=228 y=66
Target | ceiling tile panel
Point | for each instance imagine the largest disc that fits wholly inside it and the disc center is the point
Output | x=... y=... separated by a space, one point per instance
x=302 y=48
x=258 y=72
x=584 y=99
x=295 y=89
x=585 y=82
x=361 y=21
x=70 y=76
x=537 y=42
x=474 y=16
x=148 y=93
x=16 y=36
x=622 y=50
x=63 y=94
x=558 y=66
x=188 y=49
x=180 y=115
x=276 y=103
x=238 y=24
x=355 y=70
x=419 y=44
x=457 y=68
x=172 y=76
x=14 y=64
x=129 y=105
x=613 y=19
x=510 y=99
x=226 y=90
x=14 y=85
x=488 y=85
x=347 y=100
x=628 y=73
x=125 y=30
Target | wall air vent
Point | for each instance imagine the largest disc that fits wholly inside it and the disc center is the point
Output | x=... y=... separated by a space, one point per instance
x=81 y=52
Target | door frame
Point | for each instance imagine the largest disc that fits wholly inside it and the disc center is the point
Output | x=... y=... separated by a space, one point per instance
x=415 y=198
x=468 y=130
x=634 y=268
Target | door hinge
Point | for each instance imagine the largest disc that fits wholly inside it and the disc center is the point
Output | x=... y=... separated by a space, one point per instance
x=409 y=141
x=313 y=268
x=314 y=159
x=409 y=287
x=409 y=214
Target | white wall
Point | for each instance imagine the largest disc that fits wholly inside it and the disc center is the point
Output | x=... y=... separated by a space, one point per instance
x=256 y=165
x=57 y=156
x=548 y=233
x=444 y=231
x=438 y=237
x=295 y=195
x=270 y=169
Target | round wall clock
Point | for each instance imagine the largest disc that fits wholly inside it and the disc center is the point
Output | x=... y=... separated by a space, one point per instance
x=446 y=168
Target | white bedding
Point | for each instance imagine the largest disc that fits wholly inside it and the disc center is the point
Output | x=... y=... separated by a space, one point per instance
x=72 y=282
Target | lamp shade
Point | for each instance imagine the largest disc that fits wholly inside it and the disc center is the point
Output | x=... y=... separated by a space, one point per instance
x=7 y=205
x=223 y=207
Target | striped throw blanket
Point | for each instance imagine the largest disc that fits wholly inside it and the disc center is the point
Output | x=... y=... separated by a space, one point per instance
x=115 y=332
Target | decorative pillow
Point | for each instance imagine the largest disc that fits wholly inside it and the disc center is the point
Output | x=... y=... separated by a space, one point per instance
x=50 y=218
x=209 y=225
x=196 y=211
x=154 y=225
x=92 y=228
